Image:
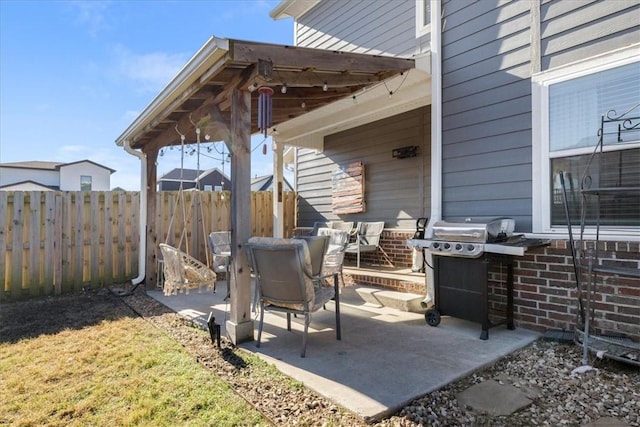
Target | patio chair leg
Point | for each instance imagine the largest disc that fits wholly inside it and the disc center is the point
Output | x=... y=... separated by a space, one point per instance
x=307 y=320
x=288 y=321
x=337 y=304
x=260 y=324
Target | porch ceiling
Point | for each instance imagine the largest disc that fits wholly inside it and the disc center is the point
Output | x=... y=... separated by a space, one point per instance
x=201 y=92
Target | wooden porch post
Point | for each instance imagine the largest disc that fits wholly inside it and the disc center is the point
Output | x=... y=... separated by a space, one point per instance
x=151 y=275
x=278 y=188
x=240 y=325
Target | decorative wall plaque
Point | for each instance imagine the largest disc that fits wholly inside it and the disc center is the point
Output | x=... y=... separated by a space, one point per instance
x=347 y=184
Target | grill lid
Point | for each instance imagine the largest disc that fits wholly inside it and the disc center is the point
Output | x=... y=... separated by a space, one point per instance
x=483 y=231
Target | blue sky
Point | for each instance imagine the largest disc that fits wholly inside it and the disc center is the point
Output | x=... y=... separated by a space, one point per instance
x=75 y=74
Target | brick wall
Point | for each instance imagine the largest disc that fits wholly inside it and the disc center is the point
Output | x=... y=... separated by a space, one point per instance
x=393 y=251
x=546 y=295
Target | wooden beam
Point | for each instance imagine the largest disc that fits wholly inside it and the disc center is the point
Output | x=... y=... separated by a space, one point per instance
x=152 y=253
x=318 y=59
x=171 y=137
x=240 y=325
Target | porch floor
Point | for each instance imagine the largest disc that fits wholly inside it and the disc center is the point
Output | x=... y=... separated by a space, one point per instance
x=386 y=357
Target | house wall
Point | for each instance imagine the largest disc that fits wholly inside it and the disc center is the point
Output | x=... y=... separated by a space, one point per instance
x=486 y=110
x=575 y=30
x=377 y=27
x=70 y=176
x=42 y=176
x=396 y=190
x=490 y=49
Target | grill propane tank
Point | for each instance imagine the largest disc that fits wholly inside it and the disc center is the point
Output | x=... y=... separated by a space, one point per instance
x=418 y=253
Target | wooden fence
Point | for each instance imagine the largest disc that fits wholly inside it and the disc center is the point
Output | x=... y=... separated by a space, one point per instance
x=57 y=242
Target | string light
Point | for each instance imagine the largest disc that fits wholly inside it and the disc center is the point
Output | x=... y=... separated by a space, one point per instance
x=283 y=89
x=303 y=105
x=253 y=87
x=325 y=86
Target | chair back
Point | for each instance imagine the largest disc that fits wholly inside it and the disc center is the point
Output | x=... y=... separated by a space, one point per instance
x=343 y=225
x=282 y=268
x=220 y=242
x=317 y=225
x=334 y=255
x=317 y=246
x=369 y=232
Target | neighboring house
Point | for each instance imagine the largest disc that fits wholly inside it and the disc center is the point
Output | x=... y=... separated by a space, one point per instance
x=208 y=180
x=265 y=183
x=512 y=93
x=83 y=175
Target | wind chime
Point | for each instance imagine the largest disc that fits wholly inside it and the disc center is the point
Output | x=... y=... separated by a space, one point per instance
x=265 y=108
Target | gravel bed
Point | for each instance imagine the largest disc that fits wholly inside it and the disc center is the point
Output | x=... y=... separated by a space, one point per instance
x=544 y=369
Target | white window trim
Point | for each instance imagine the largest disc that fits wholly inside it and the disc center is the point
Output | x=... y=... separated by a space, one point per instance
x=540 y=83
x=422 y=16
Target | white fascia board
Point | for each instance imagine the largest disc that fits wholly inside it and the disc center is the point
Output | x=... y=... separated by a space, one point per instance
x=371 y=105
x=292 y=8
x=199 y=65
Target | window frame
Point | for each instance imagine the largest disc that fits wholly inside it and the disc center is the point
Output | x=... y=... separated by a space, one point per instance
x=541 y=155
x=82 y=182
x=422 y=16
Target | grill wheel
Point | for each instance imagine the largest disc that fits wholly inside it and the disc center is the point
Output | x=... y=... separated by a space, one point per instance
x=432 y=317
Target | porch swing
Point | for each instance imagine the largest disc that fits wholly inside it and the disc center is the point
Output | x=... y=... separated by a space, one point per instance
x=182 y=271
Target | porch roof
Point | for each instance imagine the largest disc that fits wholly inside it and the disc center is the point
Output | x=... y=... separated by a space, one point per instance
x=201 y=91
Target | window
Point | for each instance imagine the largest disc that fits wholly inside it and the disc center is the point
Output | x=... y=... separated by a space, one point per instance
x=423 y=17
x=85 y=183
x=568 y=105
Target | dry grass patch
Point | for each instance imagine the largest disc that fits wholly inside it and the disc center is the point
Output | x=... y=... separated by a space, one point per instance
x=119 y=371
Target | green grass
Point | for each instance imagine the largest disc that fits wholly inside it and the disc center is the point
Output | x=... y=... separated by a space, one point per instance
x=121 y=372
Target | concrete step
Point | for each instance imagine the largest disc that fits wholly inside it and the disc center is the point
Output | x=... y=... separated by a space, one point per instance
x=402 y=301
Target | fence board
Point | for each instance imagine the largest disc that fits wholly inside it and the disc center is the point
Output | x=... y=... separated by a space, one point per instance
x=16 y=228
x=3 y=242
x=33 y=227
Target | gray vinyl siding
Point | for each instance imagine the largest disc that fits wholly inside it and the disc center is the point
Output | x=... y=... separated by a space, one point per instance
x=487 y=61
x=397 y=191
x=486 y=110
x=378 y=27
x=572 y=30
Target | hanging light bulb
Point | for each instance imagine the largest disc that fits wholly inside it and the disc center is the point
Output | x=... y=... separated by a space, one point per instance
x=303 y=105
x=283 y=89
x=355 y=100
x=253 y=87
x=264 y=148
x=325 y=86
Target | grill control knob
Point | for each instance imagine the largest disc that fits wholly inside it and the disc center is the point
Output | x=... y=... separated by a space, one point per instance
x=447 y=246
x=470 y=248
x=458 y=247
x=435 y=245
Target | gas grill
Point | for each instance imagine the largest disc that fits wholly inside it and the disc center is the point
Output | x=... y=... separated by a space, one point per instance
x=468 y=269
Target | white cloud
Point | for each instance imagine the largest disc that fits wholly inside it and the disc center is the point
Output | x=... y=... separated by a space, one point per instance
x=91 y=15
x=150 y=71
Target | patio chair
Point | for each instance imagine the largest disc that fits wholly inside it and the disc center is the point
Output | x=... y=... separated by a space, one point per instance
x=334 y=255
x=282 y=269
x=367 y=239
x=183 y=272
x=220 y=245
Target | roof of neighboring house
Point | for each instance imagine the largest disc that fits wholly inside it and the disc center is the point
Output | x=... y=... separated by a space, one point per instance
x=189 y=175
x=28 y=182
x=42 y=165
x=263 y=183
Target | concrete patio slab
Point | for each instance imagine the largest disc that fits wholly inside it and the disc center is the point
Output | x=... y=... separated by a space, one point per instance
x=386 y=357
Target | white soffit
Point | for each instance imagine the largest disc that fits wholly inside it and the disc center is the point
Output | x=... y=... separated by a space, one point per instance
x=292 y=8
x=410 y=91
